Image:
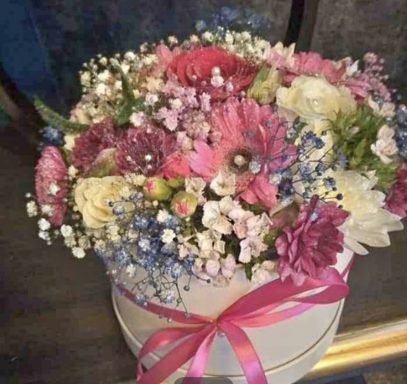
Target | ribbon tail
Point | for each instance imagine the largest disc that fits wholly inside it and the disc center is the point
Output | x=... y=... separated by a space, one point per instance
x=198 y=365
x=245 y=352
x=159 y=340
x=173 y=359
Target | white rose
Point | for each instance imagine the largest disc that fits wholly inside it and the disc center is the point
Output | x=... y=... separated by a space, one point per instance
x=94 y=197
x=315 y=98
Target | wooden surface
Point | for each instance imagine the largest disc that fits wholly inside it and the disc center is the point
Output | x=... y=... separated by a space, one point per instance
x=57 y=321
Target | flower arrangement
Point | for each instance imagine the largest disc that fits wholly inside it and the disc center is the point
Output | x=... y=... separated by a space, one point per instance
x=223 y=153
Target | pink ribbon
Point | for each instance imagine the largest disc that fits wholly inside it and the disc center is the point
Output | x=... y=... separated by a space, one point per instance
x=258 y=308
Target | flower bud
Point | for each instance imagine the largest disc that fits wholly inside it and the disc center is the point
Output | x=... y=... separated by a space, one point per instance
x=184 y=204
x=156 y=188
x=264 y=87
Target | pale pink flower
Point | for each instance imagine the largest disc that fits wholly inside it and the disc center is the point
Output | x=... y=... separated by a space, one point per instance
x=51 y=183
x=252 y=145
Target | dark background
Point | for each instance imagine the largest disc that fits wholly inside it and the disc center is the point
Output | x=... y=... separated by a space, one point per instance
x=56 y=319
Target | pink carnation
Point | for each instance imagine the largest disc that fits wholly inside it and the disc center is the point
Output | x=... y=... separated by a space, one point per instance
x=311 y=63
x=396 y=201
x=144 y=150
x=90 y=143
x=51 y=184
x=252 y=145
x=311 y=245
x=176 y=165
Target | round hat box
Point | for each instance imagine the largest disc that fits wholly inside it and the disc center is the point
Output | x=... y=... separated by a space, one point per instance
x=287 y=350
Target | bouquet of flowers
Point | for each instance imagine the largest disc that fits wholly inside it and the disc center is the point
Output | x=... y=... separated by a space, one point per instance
x=223 y=153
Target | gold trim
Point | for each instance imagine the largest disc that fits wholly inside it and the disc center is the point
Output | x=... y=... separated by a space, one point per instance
x=362 y=347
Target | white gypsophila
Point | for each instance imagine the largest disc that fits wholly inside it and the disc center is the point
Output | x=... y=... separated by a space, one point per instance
x=44 y=224
x=47 y=209
x=53 y=189
x=84 y=242
x=72 y=171
x=369 y=222
x=162 y=215
x=44 y=235
x=385 y=146
x=78 y=252
x=168 y=236
x=70 y=241
x=151 y=99
x=135 y=179
x=137 y=119
x=224 y=184
x=131 y=270
x=176 y=103
x=32 y=208
x=66 y=230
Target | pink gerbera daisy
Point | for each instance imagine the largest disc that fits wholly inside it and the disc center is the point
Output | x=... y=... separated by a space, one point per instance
x=252 y=145
x=51 y=184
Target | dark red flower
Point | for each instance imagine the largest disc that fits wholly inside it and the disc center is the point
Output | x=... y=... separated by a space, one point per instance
x=90 y=143
x=309 y=247
x=196 y=69
x=144 y=150
x=396 y=201
x=51 y=185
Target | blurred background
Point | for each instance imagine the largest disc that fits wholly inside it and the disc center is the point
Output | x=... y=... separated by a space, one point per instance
x=58 y=327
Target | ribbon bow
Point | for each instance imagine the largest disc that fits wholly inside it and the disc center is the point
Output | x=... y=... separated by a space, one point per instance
x=258 y=308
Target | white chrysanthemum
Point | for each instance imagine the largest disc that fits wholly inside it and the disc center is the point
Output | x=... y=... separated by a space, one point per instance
x=369 y=223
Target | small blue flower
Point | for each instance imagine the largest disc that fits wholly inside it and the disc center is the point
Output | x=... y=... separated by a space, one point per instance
x=52 y=136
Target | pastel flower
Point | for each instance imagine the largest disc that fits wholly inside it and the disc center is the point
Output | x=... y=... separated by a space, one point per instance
x=203 y=67
x=251 y=247
x=228 y=266
x=90 y=143
x=311 y=245
x=224 y=183
x=311 y=63
x=212 y=267
x=385 y=146
x=196 y=186
x=315 y=98
x=214 y=219
x=95 y=197
x=396 y=201
x=369 y=222
x=51 y=184
x=252 y=145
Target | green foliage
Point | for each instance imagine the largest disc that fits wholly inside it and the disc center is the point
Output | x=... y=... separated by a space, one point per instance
x=355 y=132
x=56 y=120
x=130 y=103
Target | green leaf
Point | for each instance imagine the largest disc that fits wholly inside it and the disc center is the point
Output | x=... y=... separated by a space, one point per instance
x=56 y=120
x=130 y=103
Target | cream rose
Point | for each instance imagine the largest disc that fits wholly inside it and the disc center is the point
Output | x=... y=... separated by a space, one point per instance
x=315 y=98
x=94 y=196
